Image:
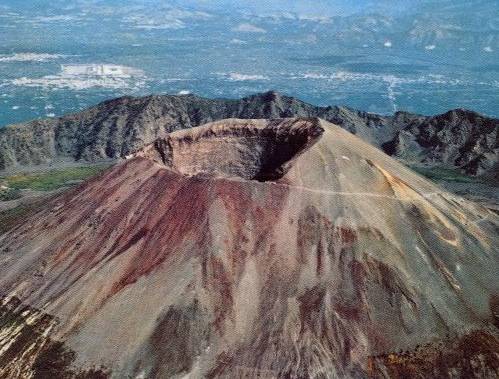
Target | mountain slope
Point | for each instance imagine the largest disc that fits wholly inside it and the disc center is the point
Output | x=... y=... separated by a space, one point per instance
x=249 y=248
x=459 y=137
x=116 y=128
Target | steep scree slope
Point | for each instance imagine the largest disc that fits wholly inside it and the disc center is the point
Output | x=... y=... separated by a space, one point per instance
x=250 y=248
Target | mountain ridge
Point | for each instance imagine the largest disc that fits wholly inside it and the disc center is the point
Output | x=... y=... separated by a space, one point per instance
x=117 y=127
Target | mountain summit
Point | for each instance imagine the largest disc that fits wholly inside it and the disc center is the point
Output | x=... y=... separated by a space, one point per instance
x=119 y=127
x=284 y=248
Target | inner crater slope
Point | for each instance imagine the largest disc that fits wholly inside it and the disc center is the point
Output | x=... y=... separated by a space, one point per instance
x=253 y=150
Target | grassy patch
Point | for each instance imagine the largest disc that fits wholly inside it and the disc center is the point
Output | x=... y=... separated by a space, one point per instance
x=7 y=194
x=51 y=179
x=445 y=174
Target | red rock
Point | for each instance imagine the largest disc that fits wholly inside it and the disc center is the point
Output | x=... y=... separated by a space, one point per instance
x=253 y=248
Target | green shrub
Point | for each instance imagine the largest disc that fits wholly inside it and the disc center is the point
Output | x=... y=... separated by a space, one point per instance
x=51 y=179
x=445 y=174
x=7 y=194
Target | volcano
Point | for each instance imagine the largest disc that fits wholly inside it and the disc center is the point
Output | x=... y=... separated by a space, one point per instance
x=283 y=248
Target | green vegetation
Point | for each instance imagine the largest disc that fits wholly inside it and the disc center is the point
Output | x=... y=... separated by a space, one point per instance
x=11 y=186
x=51 y=179
x=445 y=174
x=7 y=193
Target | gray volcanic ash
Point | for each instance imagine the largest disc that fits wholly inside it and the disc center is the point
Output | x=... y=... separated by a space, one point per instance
x=252 y=248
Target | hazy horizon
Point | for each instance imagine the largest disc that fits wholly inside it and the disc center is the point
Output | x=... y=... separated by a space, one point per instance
x=379 y=56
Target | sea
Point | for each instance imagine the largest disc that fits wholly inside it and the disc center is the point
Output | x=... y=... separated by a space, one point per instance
x=61 y=61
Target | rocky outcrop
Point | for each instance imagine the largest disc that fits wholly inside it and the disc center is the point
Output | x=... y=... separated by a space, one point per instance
x=250 y=248
x=116 y=128
x=458 y=138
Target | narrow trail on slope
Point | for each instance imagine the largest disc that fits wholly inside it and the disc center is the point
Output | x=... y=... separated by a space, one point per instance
x=343 y=193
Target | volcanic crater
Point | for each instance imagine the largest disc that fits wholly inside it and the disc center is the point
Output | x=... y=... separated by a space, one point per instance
x=251 y=150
